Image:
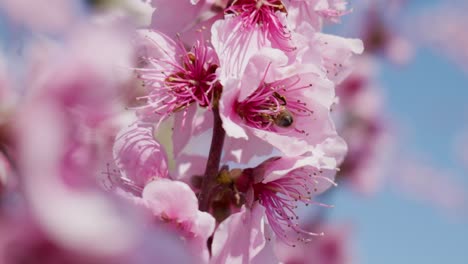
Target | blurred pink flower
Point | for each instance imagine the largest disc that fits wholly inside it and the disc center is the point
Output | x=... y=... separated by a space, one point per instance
x=447 y=34
x=56 y=134
x=381 y=34
x=420 y=180
x=23 y=240
x=57 y=171
x=42 y=15
x=361 y=122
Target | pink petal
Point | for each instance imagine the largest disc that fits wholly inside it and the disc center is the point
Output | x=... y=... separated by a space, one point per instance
x=174 y=199
x=166 y=12
x=139 y=155
x=183 y=128
x=228 y=114
x=204 y=225
x=155 y=44
x=240 y=237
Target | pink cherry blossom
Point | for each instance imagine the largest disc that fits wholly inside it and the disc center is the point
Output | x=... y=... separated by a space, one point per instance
x=266 y=16
x=176 y=78
x=279 y=184
x=286 y=106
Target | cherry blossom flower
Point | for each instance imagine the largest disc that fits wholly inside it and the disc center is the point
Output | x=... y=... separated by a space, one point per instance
x=286 y=106
x=280 y=183
x=175 y=77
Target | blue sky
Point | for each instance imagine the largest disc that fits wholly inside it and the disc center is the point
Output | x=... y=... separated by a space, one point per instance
x=428 y=99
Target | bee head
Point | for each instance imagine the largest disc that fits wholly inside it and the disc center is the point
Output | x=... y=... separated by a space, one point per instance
x=284 y=119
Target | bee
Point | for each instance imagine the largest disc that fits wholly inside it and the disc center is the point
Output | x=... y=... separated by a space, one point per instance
x=284 y=119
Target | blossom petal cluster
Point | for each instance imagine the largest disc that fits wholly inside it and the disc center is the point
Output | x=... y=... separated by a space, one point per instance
x=193 y=139
x=260 y=77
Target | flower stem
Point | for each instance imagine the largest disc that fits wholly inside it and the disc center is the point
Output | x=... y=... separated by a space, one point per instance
x=214 y=158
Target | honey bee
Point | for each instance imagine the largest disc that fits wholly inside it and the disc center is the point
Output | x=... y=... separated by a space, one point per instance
x=284 y=119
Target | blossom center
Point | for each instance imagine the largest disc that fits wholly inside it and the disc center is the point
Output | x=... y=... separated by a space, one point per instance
x=265 y=15
x=177 y=83
x=280 y=198
x=193 y=82
x=259 y=10
x=268 y=108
